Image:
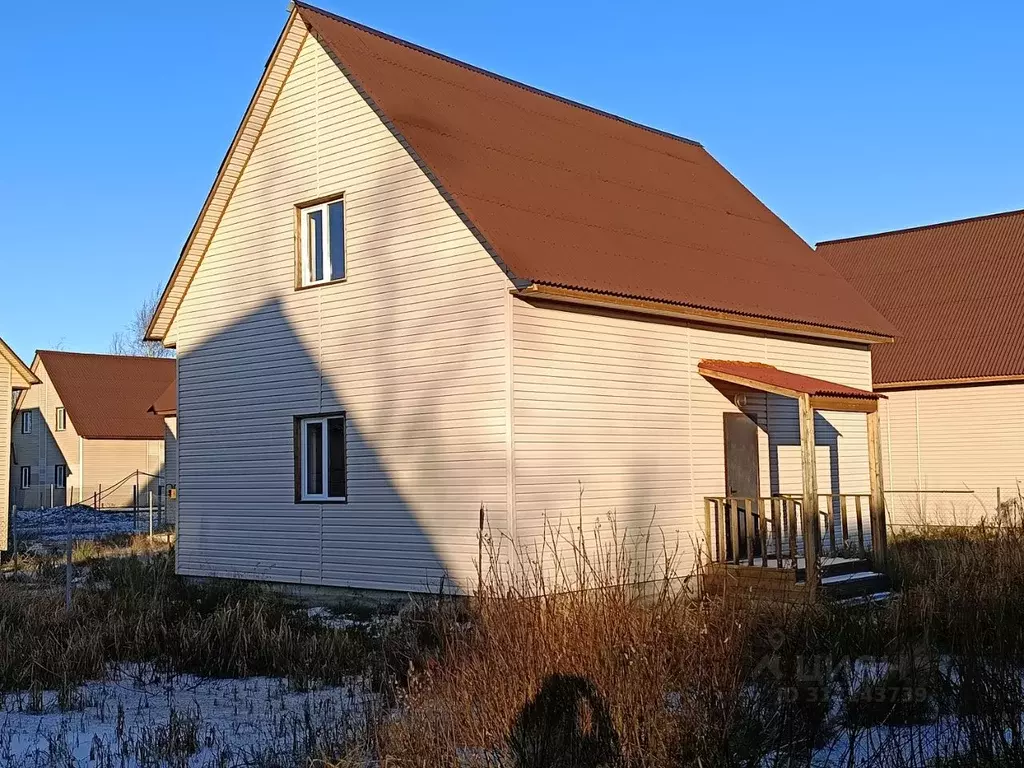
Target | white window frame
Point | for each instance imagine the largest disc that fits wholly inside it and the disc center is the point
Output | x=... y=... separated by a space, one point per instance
x=60 y=419
x=60 y=476
x=26 y=422
x=305 y=243
x=26 y=477
x=304 y=494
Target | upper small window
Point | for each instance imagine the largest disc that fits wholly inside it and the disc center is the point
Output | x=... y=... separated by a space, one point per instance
x=61 y=419
x=322 y=242
x=26 y=423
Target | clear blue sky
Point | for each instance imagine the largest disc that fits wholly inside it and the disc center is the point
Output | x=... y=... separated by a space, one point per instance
x=844 y=118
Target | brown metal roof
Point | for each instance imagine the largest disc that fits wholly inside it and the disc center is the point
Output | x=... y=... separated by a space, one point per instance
x=774 y=378
x=569 y=196
x=955 y=291
x=167 y=403
x=109 y=396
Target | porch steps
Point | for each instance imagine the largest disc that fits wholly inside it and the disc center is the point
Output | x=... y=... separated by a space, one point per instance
x=848 y=579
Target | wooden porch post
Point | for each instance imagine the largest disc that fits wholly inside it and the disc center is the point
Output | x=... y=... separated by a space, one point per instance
x=812 y=528
x=879 y=545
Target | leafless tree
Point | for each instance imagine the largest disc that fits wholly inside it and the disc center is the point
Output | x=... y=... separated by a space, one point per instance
x=130 y=340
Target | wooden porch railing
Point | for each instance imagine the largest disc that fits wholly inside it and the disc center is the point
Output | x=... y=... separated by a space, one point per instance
x=769 y=531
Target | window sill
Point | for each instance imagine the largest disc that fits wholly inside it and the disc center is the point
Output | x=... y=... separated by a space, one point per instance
x=322 y=501
x=310 y=286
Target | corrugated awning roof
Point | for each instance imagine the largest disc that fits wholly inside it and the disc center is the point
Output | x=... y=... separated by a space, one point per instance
x=109 y=396
x=768 y=378
x=956 y=292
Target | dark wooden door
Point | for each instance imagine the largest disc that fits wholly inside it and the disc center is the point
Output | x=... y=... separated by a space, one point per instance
x=742 y=473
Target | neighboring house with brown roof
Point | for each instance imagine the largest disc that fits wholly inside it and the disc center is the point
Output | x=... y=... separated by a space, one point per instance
x=417 y=288
x=15 y=377
x=954 y=379
x=85 y=430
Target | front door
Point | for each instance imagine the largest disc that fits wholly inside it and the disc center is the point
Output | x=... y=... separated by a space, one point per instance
x=742 y=474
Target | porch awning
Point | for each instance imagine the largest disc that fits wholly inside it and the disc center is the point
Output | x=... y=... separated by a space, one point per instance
x=824 y=395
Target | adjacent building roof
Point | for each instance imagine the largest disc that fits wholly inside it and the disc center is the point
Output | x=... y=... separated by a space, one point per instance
x=568 y=196
x=167 y=403
x=956 y=292
x=109 y=396
x=772 y=379
x=24 y=378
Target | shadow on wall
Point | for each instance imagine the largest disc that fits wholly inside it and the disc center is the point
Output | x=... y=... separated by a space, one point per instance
x=26 y=452
x=787 y=411
x=240 y=391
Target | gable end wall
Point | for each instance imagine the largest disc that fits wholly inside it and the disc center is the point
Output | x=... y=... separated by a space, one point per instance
x=412 y=346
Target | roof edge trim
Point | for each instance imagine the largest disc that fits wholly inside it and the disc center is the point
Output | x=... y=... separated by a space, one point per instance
x=1012 y=378
x=920 y=227
x=19 y=367
x=706 y=315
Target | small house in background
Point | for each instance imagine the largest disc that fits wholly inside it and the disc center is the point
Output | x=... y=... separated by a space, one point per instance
x=166 y=407
x=15 y=377
x=85 y=432
x=953 y=418
x=424 y=303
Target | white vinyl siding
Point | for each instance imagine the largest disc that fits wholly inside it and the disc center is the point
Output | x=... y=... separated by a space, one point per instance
x=109 y=462
x=952 y=438
x=45 y=447
x=612 y=421
x=171 y=464
x=411 y=346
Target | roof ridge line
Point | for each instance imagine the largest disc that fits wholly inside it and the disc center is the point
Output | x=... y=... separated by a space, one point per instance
x=502 y=78
x=920 y=227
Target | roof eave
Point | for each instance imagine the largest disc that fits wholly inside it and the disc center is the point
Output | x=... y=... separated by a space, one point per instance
x=1016 y=378
x=25 y=372
x=543 y=291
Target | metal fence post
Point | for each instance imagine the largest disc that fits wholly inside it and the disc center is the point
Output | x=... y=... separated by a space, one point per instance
x=14 y=534
x=67 y=564
x=151 y=515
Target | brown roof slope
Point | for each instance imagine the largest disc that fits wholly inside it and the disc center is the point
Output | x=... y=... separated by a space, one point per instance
x=167 y=403
x=955 y=290
x=108 y=396
x=569 y=196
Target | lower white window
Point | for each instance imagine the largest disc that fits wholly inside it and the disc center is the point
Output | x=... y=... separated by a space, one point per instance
x=60 y=475
x=26 y=477
x=321 y=465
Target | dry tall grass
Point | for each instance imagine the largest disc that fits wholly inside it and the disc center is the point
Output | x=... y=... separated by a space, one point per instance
x=635 y=671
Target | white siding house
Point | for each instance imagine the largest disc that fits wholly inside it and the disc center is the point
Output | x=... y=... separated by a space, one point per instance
x=460 y=388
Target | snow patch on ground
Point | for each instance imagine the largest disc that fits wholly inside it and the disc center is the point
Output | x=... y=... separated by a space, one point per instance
x=51 y=525
x=139 y=717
